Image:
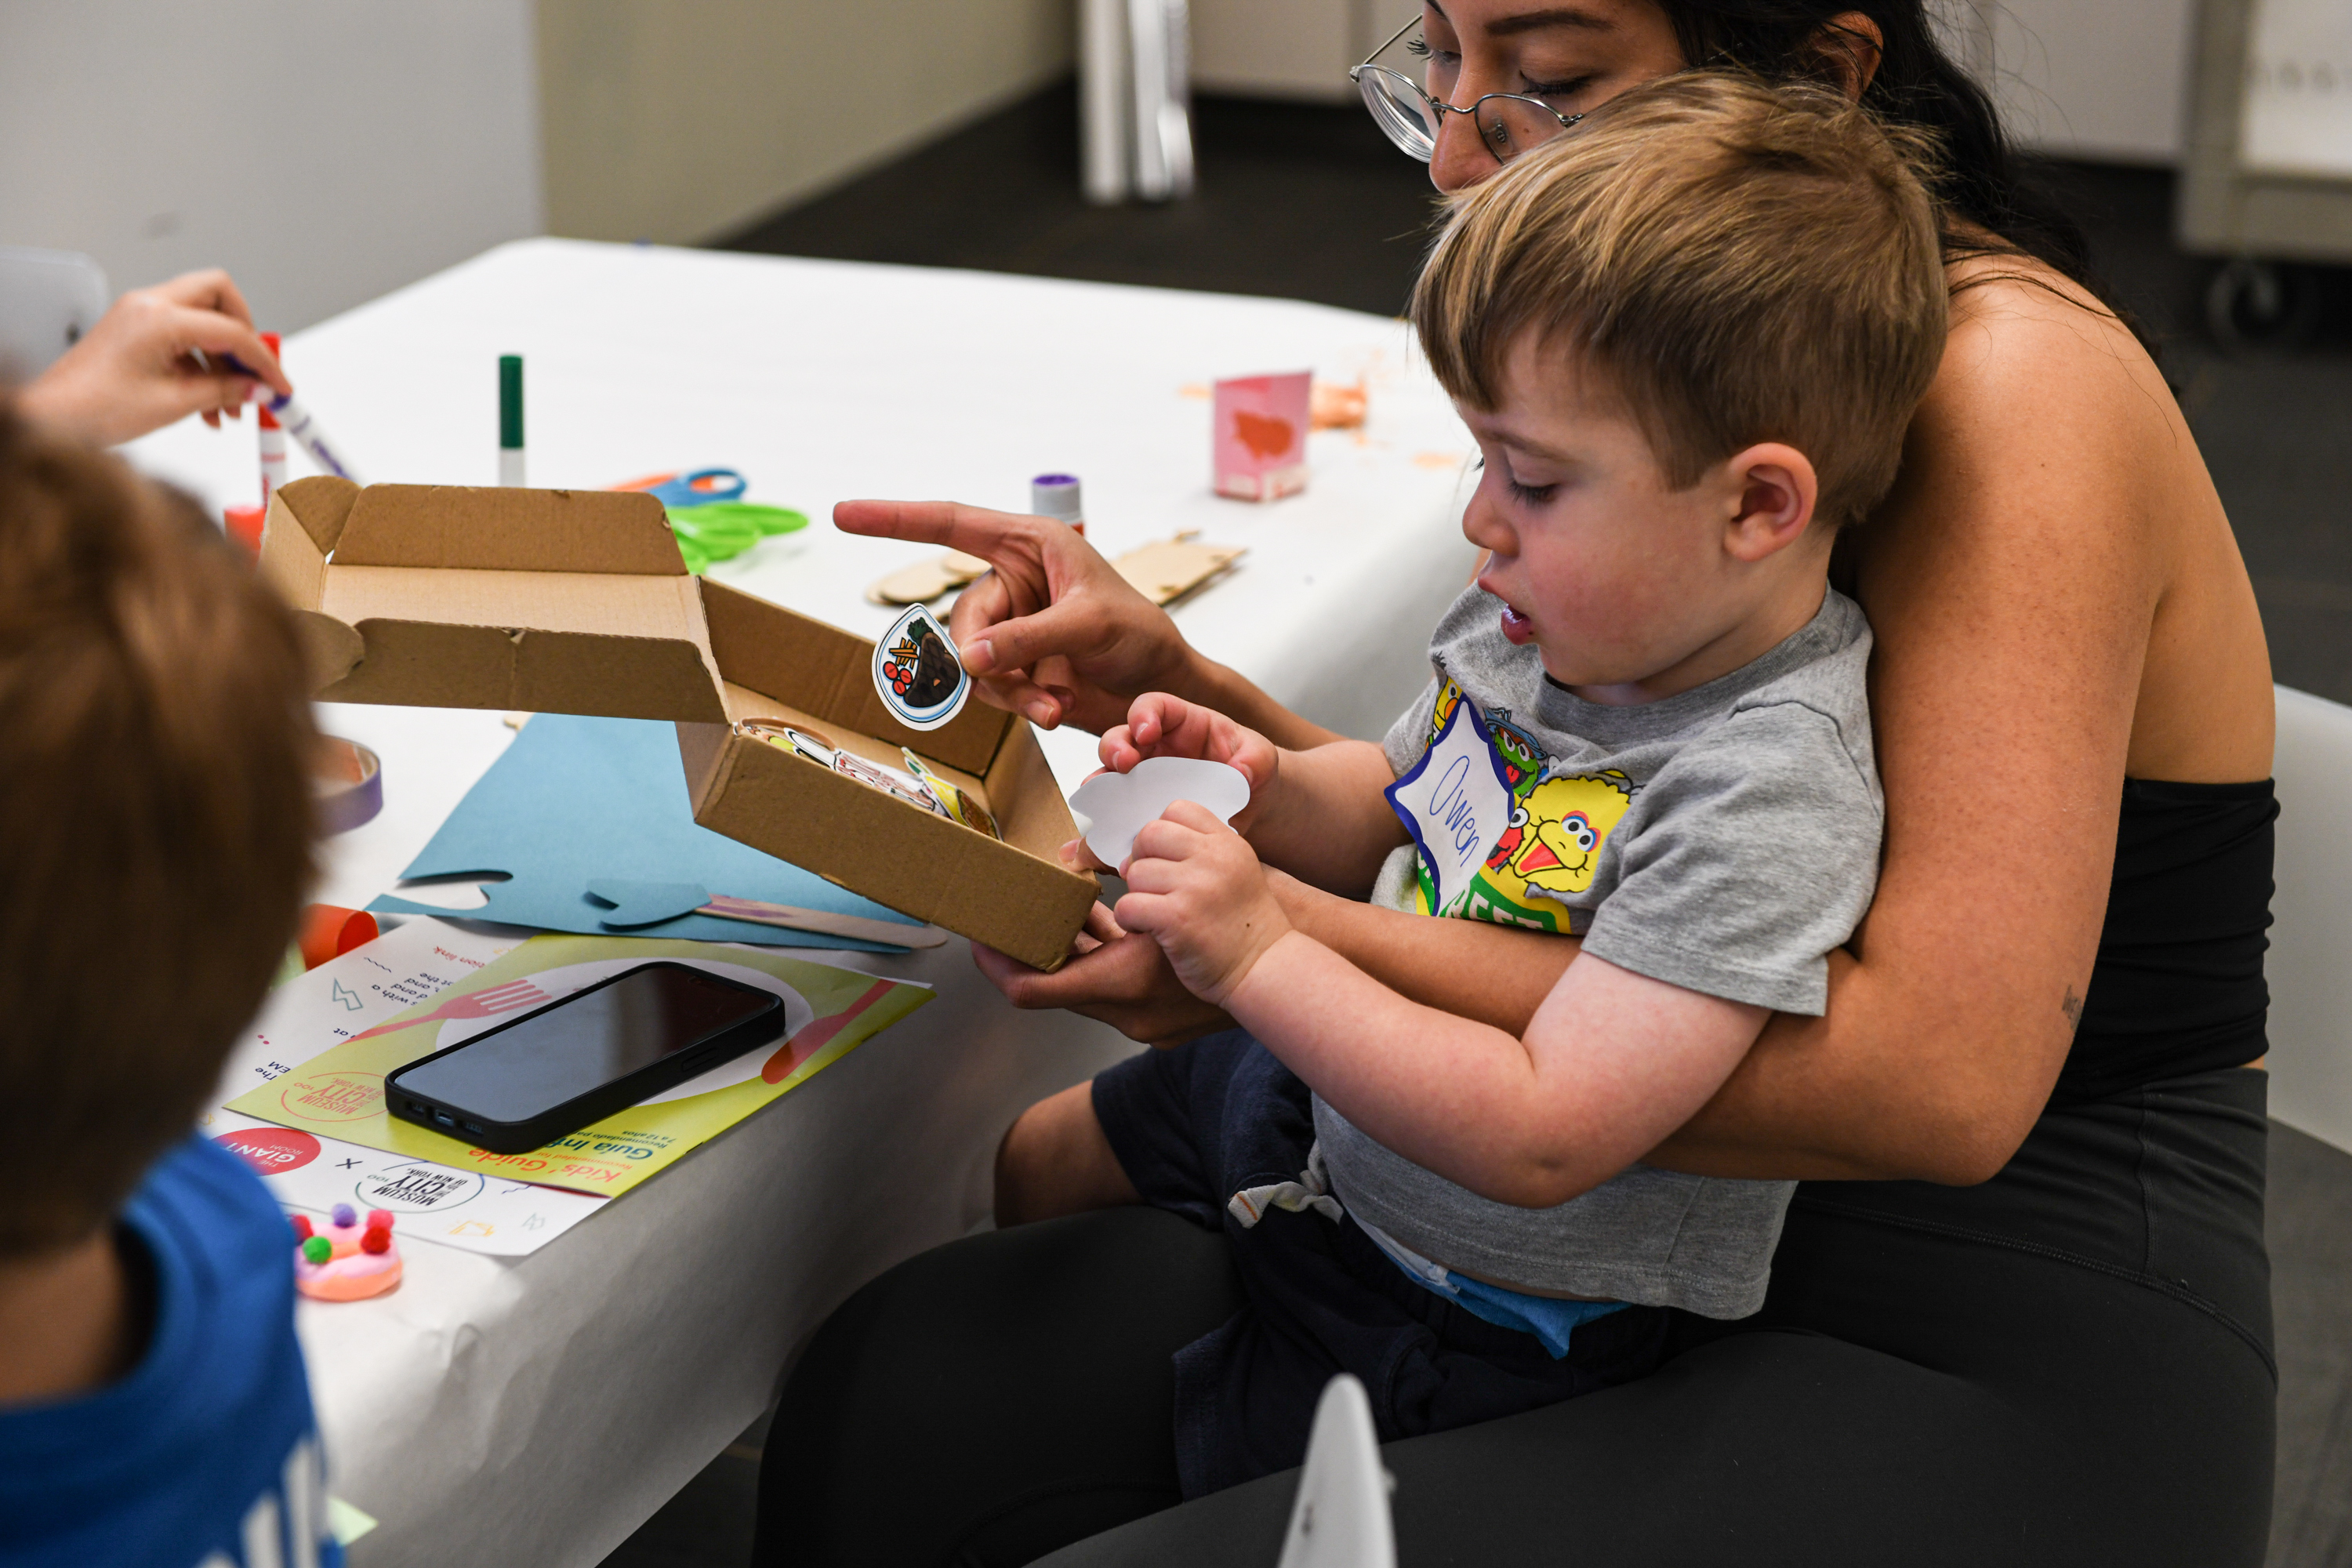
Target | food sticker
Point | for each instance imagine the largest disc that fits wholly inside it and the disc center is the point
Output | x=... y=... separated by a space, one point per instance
x=1455 y=802
x=916 y=673
x=888 y=780
x=951 y=799
x=1112 y=808
x=816 y=748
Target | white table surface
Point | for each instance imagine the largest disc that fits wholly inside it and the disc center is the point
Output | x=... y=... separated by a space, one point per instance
x=537 y=1410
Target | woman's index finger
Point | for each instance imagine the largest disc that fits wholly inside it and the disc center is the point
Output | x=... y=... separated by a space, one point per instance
x=973 y=530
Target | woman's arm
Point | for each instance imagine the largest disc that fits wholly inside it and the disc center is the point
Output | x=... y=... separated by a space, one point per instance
x=2011 y=582
x=1054 y=634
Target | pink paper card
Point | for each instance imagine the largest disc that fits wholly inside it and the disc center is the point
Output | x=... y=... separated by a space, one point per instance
x=1261 y=435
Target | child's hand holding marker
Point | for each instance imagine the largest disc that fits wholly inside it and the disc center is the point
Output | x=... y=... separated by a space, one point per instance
x=186 y=346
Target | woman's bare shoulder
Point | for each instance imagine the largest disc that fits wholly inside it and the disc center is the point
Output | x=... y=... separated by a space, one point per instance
x=2027 y=340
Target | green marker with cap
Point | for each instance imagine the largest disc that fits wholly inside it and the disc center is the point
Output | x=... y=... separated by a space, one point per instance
x=510 y=419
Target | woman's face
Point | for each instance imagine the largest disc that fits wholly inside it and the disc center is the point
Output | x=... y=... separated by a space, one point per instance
x=1571 y=53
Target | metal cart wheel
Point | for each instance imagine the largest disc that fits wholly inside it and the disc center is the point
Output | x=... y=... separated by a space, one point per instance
x=2258 y=304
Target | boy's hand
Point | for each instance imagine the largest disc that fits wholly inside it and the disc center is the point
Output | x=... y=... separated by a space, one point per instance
x=1195 y=885
x=1158 y=725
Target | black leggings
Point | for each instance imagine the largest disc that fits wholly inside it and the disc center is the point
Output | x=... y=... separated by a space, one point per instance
x=2069 y=1365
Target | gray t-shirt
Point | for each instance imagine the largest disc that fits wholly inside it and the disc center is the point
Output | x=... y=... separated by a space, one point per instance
x=1724 y=840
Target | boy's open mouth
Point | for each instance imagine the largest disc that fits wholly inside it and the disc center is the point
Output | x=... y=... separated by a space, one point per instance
x=1521 y=630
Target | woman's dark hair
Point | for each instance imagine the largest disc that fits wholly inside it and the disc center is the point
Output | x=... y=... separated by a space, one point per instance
x=1918 y=84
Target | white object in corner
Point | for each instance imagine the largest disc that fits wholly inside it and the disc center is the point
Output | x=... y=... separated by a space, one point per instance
x=1340 y=1519
x=48 y=299
x=2310 y=961
x=1112 y=808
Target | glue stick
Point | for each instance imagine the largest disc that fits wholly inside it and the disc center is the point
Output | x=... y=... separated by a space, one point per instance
x=511 y=467
x=273 y=435
x=1056 y=495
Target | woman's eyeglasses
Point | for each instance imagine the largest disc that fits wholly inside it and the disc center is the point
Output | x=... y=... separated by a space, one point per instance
x=1508 y=124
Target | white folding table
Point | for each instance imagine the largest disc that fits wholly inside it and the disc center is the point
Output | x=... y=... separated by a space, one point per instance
x=537 y=1410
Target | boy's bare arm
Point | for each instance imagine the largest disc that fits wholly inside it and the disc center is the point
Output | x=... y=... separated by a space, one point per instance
x=1612 y=1062
x=1326 y=822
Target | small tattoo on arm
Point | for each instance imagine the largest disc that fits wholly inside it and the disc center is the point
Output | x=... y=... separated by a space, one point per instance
x=2072 y=1008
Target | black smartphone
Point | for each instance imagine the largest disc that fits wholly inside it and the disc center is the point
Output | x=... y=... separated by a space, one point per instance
x=559 y=1067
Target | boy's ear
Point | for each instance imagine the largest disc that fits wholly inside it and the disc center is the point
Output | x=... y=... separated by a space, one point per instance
x=1777 y=490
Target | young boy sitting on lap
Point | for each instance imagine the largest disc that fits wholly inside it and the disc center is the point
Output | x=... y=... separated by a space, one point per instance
x=154 y=844
x=1688 y=337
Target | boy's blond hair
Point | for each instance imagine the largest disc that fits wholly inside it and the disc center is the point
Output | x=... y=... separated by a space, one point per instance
x=155 y=820
x=1740 y=262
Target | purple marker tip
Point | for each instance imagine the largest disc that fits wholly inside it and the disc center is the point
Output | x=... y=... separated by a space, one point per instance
x=345 y=1213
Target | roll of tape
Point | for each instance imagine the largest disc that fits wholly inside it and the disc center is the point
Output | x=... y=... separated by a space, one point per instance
x=348 y=780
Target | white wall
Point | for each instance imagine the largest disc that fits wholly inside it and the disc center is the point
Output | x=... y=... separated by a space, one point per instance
x=2100 y=80
x=2090 y=78
x=1287 y=48
x=681 y=121
x=324 y=151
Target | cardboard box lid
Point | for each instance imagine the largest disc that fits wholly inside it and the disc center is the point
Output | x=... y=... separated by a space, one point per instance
x=578 y=602
x=549 y=601
x=552 y=602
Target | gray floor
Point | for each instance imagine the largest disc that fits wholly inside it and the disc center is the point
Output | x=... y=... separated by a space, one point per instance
x=1310 y=202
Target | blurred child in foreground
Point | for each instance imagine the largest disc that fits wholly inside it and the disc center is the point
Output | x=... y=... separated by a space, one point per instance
x=154 y=844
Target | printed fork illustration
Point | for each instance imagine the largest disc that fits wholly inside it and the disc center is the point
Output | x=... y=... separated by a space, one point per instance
x=508 y=998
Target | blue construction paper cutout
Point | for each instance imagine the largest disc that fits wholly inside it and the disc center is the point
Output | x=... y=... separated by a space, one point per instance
x=576 y=800
x=631 y=904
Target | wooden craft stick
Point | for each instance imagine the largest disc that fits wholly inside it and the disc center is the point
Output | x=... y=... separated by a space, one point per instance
x=856 y=927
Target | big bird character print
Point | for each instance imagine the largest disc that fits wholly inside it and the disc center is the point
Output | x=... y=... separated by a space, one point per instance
x=1552 y=829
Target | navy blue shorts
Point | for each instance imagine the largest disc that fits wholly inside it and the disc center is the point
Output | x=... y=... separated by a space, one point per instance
x=1193 y=1125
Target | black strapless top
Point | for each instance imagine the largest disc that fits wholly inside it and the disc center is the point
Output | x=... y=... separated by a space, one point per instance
x=2177 y=987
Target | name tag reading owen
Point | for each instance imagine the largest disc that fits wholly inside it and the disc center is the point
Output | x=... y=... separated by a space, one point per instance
x=1455 y=802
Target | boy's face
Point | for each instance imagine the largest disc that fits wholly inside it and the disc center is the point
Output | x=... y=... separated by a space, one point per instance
x=1631 y=590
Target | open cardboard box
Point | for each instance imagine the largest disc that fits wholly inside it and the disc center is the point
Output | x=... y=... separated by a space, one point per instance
x=578 y=602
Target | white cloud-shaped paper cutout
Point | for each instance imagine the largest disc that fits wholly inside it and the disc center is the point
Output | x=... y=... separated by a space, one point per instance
x=1112 y=809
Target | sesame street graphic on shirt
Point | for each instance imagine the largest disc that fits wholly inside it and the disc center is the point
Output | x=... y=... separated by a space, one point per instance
x=1551 y=846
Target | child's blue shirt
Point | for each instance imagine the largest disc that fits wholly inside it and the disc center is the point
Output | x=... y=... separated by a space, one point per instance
x=207 y=1453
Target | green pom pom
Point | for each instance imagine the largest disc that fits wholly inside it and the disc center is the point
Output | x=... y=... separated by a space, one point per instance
x=317 y=1249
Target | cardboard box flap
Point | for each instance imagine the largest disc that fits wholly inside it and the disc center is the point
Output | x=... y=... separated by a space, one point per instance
x=331 y=650
x=623 y=531
x=320 y=504
x=432 y=664
x=542 y=600
x=824 y=670
x=298 y=532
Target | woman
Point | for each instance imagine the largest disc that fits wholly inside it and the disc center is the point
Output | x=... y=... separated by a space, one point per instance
x=2020 y=1309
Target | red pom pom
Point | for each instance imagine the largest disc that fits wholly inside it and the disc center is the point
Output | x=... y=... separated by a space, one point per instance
x=301 y=1223
x=376 y=1240
x=379 y=1219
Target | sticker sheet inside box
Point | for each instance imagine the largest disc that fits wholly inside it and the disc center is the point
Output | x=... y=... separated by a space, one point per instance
x=578 y=602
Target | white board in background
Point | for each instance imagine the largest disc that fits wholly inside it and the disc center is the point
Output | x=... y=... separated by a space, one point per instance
x=2298 y=101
